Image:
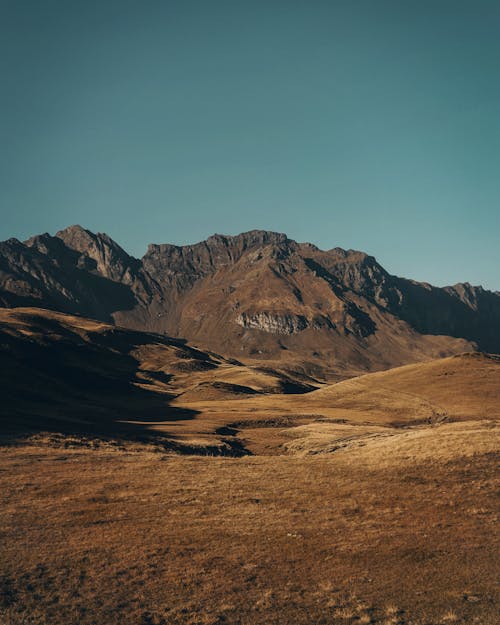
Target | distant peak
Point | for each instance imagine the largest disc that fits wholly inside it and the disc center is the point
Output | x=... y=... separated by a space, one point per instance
x=251 y=238
x=90 y=243
x=259 y=237
x=12 y=242
x=75 y=236
x=75 y=229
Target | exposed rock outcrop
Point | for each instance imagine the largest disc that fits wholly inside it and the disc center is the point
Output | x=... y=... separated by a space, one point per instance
x=273 y=323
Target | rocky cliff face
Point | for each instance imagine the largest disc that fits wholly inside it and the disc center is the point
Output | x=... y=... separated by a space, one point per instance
x=273 y=322
x=258 y=294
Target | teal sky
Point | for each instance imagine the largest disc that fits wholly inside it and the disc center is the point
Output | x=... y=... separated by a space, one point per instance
x=368 y=124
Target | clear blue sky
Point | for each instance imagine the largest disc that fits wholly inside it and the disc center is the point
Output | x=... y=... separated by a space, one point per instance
x=368 y=124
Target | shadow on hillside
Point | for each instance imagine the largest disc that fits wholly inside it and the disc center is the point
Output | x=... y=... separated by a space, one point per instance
x=58 y=381
x=432 y=310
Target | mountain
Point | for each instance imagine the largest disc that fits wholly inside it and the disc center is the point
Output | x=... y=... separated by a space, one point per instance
x=258 y=295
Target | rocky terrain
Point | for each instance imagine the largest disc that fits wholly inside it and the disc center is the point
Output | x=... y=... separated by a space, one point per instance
x=258 y=295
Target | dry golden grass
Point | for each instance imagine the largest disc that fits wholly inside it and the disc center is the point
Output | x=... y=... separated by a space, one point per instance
x=139 y=537
x=359 y=411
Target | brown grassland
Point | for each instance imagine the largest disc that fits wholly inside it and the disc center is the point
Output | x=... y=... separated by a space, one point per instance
x=371 y=500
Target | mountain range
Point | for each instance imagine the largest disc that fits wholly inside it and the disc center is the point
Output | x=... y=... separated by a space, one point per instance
x=256 y=296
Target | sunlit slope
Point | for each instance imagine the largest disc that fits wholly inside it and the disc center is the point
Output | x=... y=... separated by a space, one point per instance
x=444 y=408
x=460 y=387
x=463 y=386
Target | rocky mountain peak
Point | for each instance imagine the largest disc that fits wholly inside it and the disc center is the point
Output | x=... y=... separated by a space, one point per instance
x=82 y=240
x=250 y=239
x=110 y=260
x=74 y=230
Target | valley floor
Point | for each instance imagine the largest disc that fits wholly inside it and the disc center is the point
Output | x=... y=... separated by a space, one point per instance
x=394 y=531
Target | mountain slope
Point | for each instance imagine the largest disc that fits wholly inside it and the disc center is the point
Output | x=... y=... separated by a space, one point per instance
x=462 y=386
x=258 y=295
